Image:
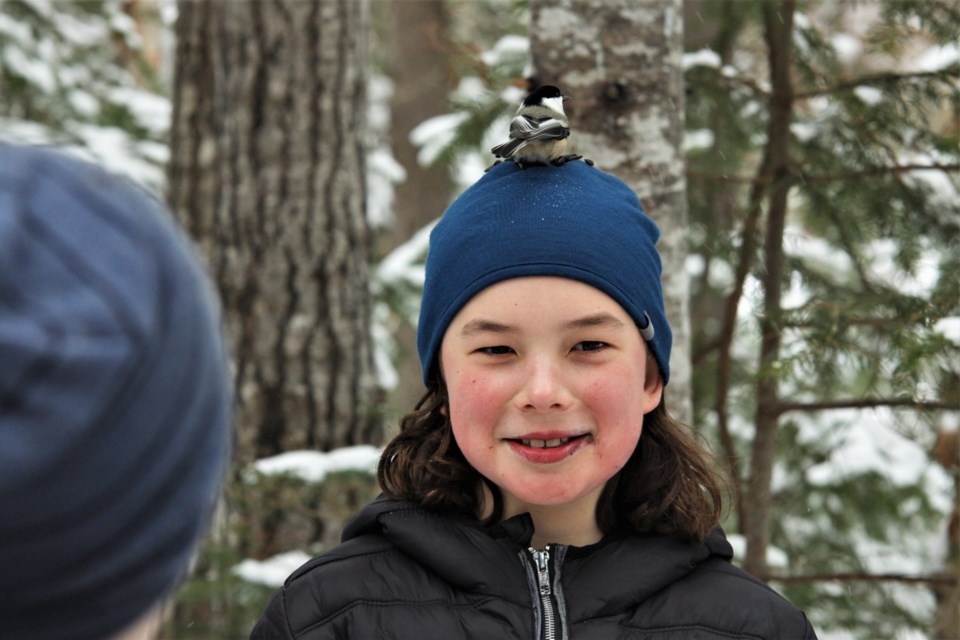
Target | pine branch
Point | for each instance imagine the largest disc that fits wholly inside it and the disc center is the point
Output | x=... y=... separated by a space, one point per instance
x=758 y=180
x=823 y=177
x=758 y=91
x=867 y=403
x=848 y=245
x=873 y=323
x=881 y=171
x=945 y=579
x=878 y=78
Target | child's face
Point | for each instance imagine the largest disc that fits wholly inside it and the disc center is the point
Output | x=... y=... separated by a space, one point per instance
x=548 y=361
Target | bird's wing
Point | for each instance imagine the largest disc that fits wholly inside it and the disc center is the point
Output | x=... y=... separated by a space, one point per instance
x=527 y=128
x=524 y=130
x=550 y=129
x=522 y=126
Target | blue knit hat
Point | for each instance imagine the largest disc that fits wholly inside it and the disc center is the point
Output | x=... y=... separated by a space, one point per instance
x=114 y=399
x=573 y=221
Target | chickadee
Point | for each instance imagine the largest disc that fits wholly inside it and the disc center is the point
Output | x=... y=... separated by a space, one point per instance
x=539 y=132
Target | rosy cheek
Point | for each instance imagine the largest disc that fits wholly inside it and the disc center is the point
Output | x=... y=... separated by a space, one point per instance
x=606 y=390
x=471 y=397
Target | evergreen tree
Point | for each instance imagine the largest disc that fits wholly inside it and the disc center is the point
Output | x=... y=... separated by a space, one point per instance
x=74 y=74
x=856 y=284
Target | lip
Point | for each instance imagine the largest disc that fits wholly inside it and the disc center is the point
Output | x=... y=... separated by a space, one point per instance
x=547 y=455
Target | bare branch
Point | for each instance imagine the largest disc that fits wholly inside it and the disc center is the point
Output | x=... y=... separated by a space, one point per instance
x=867 y=403
x=878 y=78
x=881 y=171
x=758 y=180
x=874 y=323
x=825 y=177
x=748 y=83
x=935 y=578
x=706 y=349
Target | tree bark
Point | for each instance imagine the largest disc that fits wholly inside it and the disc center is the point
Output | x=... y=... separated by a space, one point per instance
x=621 y=63
x=267 y=174
x=778 y=32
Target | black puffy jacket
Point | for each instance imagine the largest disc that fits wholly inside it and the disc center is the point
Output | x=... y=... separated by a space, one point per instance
x=403 y=572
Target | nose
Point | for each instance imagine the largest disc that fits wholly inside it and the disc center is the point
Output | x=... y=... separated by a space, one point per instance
x=544 y=387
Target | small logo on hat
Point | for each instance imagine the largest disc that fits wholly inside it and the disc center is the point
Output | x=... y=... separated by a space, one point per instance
x=647 y=332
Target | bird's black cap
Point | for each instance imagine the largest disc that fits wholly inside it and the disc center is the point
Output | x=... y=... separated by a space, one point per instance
x=537 y=95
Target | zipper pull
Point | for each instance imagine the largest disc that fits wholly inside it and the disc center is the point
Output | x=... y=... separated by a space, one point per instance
x=542 y=561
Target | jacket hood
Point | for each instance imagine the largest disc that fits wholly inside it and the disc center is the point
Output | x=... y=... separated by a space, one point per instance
x=596 y=578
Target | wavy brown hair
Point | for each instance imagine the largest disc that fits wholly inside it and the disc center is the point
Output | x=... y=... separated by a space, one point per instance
x=669 y=485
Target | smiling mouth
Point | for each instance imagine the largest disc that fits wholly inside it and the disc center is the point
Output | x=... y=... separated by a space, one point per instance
x=546 y=444
x=547 y=450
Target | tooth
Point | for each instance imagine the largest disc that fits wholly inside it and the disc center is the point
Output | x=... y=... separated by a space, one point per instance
x=539 y=444
x=553 y=443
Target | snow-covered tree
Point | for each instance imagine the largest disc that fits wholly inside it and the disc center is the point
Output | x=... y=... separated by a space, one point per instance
x=75 y=74
x=825 y=215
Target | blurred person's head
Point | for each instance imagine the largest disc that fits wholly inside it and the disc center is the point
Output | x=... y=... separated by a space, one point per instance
x=114 y=401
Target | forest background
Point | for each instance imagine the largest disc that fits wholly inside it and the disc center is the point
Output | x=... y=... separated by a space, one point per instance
x=802 y=159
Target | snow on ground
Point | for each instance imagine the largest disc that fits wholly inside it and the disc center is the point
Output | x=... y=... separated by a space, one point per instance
x=273 y=571
x=313 y=466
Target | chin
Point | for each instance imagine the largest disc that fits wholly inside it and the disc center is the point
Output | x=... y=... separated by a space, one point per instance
x=528 y=497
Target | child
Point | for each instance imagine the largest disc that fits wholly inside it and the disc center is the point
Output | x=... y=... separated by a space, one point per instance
x=115 y=402
x=540 y=489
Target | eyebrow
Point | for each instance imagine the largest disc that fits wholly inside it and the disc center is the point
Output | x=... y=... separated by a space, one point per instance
x=602 y=319
x=485 y=326
x=480 y=325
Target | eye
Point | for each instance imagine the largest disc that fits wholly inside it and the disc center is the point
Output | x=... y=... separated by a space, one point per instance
x=589 y=345
x=499 y=350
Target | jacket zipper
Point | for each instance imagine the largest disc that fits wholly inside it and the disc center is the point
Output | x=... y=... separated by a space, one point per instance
x=541 y=562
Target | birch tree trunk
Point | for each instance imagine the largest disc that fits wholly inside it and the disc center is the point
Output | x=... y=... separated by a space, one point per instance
x=267 y=174
x=620 y=61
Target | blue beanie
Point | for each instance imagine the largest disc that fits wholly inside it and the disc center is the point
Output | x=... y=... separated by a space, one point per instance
x=114 y=399
x=572 y=221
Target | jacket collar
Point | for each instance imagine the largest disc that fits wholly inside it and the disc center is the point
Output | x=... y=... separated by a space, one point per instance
x=615 y=574
x=463 y=553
